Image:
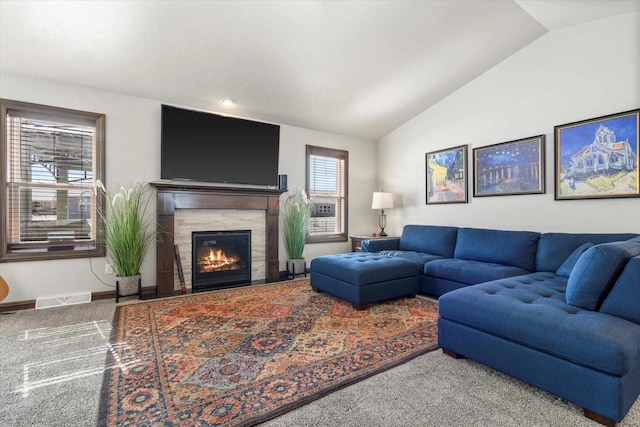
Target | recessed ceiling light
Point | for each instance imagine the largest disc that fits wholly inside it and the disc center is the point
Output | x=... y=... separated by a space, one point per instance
x=228 y=102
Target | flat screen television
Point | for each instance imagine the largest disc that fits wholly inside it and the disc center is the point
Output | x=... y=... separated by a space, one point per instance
x=206 y=147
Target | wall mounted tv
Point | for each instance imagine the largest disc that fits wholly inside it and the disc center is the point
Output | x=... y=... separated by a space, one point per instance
x=199 y=146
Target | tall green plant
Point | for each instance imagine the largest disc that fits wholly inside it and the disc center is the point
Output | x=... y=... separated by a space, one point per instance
x=295 y=222
x=127 y=230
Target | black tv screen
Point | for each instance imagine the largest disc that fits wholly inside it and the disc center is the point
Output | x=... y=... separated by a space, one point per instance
x=199 y=146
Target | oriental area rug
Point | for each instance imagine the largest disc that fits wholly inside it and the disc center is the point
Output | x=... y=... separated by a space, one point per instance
x=245 y=355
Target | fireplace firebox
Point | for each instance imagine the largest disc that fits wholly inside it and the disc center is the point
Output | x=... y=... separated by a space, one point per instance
x=220 y=259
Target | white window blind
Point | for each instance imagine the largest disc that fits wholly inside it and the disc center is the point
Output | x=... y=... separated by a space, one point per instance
x=327 y=189
x=51 y=162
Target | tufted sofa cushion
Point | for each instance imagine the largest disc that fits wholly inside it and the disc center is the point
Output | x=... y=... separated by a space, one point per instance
x=531 y=310
x=514 y=248
x=470 y=272
x=360 y=268
x=596 y=271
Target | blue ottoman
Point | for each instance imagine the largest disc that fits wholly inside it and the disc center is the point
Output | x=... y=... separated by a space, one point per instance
x=364 y=278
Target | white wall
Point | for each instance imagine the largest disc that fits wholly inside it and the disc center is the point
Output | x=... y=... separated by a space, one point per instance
x=362 y=182
x=133 y=154
x=567 y=75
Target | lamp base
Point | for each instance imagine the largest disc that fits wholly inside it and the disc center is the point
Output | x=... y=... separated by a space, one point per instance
x=382 y=223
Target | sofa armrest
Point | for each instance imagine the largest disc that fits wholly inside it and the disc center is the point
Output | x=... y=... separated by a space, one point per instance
x=377 y=245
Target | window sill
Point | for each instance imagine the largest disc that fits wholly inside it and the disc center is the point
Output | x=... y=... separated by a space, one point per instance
x=50 y=255
x=327 y=238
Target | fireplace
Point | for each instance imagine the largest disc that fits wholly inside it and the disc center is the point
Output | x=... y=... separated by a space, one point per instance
x=220 y=259
x=176 y=196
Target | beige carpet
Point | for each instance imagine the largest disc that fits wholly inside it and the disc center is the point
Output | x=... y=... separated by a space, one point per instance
x=431 y=390
x=437 y=390
x=52 y=364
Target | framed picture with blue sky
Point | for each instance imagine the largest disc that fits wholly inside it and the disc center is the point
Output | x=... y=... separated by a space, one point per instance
x=447 y=175
x=598 y=158
x=509 y=168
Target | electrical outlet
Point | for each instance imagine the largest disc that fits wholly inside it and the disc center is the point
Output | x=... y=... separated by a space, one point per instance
x=108 y=269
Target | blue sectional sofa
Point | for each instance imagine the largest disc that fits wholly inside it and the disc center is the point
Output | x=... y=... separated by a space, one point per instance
x=560 y=311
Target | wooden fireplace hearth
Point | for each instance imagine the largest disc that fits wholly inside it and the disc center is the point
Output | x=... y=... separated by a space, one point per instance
x=173 y=195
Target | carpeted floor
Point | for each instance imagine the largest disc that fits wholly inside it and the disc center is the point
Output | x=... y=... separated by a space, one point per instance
x=240 y=356
x=52 y=364
x=430 y=390
x=437 y=390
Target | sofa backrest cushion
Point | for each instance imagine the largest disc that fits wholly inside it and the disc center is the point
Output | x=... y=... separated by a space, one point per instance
x=555 y=248
x=516 y=248
x=596 y=271
x=567 y=266
x=432 y=239
x=624 y=299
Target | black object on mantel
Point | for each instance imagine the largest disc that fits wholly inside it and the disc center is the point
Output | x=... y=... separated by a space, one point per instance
x=282 y=182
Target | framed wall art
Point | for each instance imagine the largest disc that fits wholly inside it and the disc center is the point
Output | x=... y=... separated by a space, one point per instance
x=508 y=168
x=598 y=158
x=447 y=175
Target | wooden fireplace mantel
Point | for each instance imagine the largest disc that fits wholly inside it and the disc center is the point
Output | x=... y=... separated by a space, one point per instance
x=177 y=195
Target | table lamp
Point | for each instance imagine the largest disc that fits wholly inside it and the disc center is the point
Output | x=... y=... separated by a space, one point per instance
x=382 y=201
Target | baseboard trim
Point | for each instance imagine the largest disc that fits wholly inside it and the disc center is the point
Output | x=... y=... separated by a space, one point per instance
x=17 y=305
x=95 y=296
x=148 y=292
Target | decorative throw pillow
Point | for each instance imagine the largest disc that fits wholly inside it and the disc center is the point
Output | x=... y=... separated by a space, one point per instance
x=565 y=269
x=596 y=271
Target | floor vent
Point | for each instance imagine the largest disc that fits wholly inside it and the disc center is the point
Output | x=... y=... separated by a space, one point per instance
x=48 y=302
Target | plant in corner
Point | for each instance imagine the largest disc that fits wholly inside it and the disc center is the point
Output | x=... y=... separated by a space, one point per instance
x=295 y=225
x=128 y=232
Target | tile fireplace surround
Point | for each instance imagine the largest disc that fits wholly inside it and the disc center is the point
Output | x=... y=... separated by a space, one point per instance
x=187 y=221
x=174 y=196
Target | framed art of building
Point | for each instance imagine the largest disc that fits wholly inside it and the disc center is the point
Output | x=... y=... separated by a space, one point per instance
x=598 y=158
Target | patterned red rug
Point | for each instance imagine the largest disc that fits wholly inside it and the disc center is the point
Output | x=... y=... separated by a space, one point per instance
x=244 y=355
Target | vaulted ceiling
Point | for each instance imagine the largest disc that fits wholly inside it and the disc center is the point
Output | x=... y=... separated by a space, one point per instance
x=358 y=68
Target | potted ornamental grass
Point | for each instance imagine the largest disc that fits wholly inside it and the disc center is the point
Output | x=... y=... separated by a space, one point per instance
x=295 y=226
x=128 y=232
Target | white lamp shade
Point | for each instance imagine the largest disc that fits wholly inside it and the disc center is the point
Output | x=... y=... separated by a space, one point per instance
x=382 y=200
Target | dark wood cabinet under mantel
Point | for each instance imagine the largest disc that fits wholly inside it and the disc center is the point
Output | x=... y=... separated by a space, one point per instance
x=172 y=195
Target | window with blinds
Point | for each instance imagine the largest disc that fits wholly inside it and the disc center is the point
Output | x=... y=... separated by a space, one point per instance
x=327 y=187
x=51 y=158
